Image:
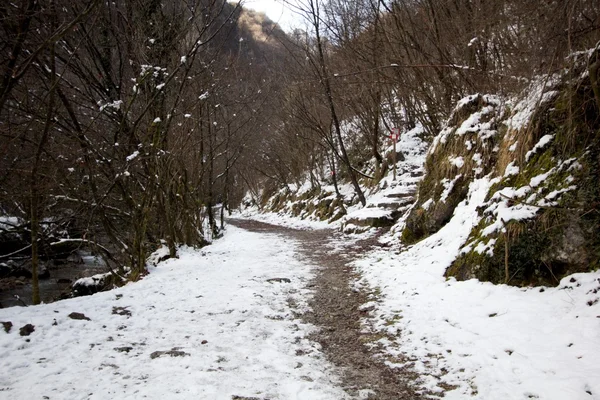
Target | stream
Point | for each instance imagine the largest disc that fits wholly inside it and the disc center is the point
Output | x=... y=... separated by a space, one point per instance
x=18 y=291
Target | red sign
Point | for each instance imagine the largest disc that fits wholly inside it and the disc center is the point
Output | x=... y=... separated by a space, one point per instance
x=395 y=135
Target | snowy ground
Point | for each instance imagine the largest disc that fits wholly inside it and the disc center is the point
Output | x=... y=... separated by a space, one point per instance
x=283 y=219
x=481 y=340
x=233 y=333
x=230 y=332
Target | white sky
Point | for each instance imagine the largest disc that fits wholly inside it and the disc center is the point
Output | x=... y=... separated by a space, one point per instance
x=276 y=11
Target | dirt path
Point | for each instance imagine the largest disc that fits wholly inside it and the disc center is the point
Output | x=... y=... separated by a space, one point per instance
x=336 y=311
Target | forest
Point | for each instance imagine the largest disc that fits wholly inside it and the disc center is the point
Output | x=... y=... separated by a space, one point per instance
x=125 y=125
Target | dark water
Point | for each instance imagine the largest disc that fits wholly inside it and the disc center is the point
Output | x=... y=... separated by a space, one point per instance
x=51 y=289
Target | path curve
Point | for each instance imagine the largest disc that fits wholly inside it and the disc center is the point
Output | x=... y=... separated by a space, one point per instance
x=336 y=310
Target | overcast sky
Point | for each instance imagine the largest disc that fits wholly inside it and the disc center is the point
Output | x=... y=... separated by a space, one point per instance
x=276 y=11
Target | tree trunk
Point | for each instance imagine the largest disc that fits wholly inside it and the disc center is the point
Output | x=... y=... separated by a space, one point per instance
x=34 y=182
x=329 y=96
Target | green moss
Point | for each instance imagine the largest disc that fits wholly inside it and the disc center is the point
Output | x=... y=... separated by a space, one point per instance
x=394 y=320
x=337 y=216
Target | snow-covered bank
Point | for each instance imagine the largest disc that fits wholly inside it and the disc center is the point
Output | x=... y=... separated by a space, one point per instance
x=480 y=340
x=283 y=219
x=212 y=324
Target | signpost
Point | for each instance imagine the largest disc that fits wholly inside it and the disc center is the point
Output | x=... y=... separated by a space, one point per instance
x=395 y=136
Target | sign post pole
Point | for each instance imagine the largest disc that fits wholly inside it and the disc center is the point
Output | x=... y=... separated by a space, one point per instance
x=395 y=136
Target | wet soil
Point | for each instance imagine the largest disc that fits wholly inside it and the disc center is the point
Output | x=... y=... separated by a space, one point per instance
x=336 y=311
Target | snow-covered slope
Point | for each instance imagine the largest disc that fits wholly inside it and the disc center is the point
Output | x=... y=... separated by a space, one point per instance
x=478 y=340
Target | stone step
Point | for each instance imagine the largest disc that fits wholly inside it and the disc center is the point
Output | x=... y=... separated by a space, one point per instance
x=401 y=195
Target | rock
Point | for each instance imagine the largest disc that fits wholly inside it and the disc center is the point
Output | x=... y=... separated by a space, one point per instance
x=125 y=349
x=21 y=272
x=64 y=281
x=75 y=258
x=4 y=270
x=7 y=326
x=79 y=316
x=93 y=284
x=27 y=330
x=172 y=353
x=121 y=311
x=280 y=280
x=44 y=273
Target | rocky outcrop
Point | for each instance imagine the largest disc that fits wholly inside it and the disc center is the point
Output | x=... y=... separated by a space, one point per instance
x=314 y=203
x=541 y=217
x=464 y=150
x=93 y=284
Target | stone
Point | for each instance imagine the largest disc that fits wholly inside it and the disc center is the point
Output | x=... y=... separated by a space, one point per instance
x=27 y=330
x=172 y=353
x=78 y=316
x=44 y=273
x=121 y=311
x=7 y=325
x=279 y=280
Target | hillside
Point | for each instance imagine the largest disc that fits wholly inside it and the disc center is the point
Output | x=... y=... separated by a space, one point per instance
x=487 y=278
x=535 y=151
x=396 y=200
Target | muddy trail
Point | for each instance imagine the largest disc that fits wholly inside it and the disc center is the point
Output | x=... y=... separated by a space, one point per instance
x=336 y=311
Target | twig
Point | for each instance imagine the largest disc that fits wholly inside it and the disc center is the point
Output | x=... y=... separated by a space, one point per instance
x=14 y=252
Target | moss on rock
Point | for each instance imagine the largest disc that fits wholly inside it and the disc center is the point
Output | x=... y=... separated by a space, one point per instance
x=560 y=179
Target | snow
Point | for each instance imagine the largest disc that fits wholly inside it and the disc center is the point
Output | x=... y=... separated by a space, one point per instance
x=540 y=145
x=511 y=169
x=539 y=92
x=490 y=341
x=458 y=162
x=237 y=333
x=482 y=122
x=503 y=212
x=114 y=105
x=414 y=150
x=473 y=123
x=448 y=186
x=133 y=155
x=157 y=256
x=369 y=212
x=156 y=120
x=487 y=248
x=550 y=198
x=92 y=280
x=426 y=205
x=8 y=223
x=538 y=179
x=282 y=219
